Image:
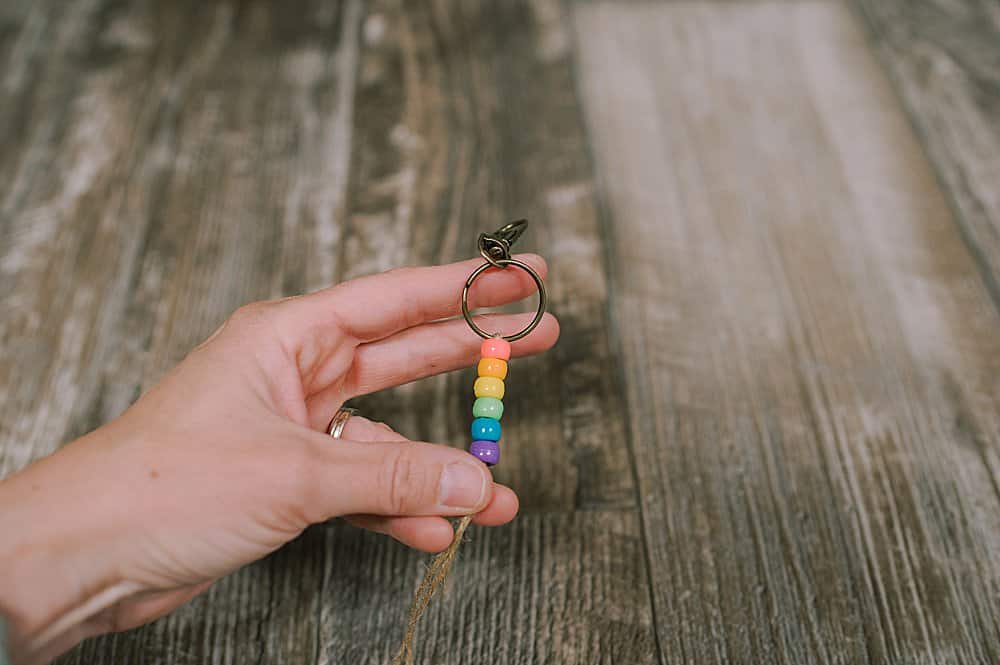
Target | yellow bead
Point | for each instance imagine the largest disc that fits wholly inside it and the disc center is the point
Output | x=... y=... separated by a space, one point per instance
x=493 y=367
x=489 y=386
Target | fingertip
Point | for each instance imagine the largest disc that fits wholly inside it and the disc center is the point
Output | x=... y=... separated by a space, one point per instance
x=501 y=510
x=541 y=339
x=536 y=261
x=550 y=326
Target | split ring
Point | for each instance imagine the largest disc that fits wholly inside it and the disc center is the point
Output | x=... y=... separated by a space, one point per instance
x=503 y=263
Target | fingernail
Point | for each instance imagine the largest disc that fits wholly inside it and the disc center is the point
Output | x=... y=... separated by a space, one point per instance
x=462 y=485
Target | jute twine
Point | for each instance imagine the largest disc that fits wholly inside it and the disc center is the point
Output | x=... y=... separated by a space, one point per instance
x=435 y=576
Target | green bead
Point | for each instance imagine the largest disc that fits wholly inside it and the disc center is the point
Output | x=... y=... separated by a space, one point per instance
x=487 y=407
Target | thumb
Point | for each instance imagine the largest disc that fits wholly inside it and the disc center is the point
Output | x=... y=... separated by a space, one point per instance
x=400 y=478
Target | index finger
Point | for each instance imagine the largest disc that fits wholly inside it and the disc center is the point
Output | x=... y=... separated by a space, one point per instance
x=373 y=307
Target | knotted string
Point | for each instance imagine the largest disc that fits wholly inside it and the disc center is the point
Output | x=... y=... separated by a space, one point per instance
x=434 y=577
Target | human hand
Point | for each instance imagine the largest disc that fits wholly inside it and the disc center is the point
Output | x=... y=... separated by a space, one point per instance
x=225 y=459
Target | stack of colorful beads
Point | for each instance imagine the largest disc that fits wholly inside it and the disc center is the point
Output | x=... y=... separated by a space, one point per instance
x=488 y=408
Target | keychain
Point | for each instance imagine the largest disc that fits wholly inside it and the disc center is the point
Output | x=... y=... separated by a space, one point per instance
x=486 y=411
x=489 y=387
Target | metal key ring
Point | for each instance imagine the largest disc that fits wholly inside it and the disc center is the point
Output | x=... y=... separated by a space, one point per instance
x=503 y=263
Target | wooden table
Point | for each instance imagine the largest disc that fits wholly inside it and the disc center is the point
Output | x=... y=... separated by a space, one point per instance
x=771 y=430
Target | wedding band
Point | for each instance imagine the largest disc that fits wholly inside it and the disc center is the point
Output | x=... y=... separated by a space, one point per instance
x=339 y=421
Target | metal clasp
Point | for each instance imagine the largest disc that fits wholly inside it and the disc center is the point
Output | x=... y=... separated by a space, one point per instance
x=495 y=247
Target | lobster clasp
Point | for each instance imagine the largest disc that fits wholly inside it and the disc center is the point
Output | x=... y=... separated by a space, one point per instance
x=495 y=247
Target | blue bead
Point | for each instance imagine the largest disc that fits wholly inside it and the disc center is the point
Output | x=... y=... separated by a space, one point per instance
x=485 y=429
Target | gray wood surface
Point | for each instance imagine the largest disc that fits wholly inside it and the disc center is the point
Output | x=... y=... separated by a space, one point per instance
x=945 y=60
x=811 y=358
x=550 y=588
x=770 y=430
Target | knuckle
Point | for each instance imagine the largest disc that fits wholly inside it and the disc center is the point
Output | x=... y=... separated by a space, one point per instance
x=400 y=271
x=252 y=315
x=403 y=482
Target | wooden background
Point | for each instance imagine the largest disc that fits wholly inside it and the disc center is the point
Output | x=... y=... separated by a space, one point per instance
x=771 y=429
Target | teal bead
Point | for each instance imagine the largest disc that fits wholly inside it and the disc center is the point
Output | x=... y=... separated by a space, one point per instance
x=485 y=429
x=487 y=407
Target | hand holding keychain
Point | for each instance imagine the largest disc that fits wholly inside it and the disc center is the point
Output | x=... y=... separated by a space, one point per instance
x=487 y=409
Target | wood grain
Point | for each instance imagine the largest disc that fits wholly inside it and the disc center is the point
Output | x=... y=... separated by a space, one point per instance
x=810 y=355
x=147 y=203
x=546 y=589
x=944 y=58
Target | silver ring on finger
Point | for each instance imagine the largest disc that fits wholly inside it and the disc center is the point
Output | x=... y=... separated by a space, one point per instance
x=339 y=421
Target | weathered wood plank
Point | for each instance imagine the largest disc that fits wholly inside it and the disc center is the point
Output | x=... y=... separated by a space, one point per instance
x=94 y=110
x=550 y=588
x=811 y=358
x=944 y=58
x=148 y=191
x=254 y=179
x=545 y=589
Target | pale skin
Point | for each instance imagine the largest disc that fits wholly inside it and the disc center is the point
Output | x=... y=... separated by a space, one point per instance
x=226 y=459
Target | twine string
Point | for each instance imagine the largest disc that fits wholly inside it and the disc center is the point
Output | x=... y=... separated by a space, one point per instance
x=434 y=577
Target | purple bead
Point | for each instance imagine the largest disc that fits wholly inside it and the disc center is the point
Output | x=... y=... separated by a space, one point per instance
x=485 y=451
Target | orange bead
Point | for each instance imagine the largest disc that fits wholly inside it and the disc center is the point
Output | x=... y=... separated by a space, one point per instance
x=494 y=347
x=493 y=367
